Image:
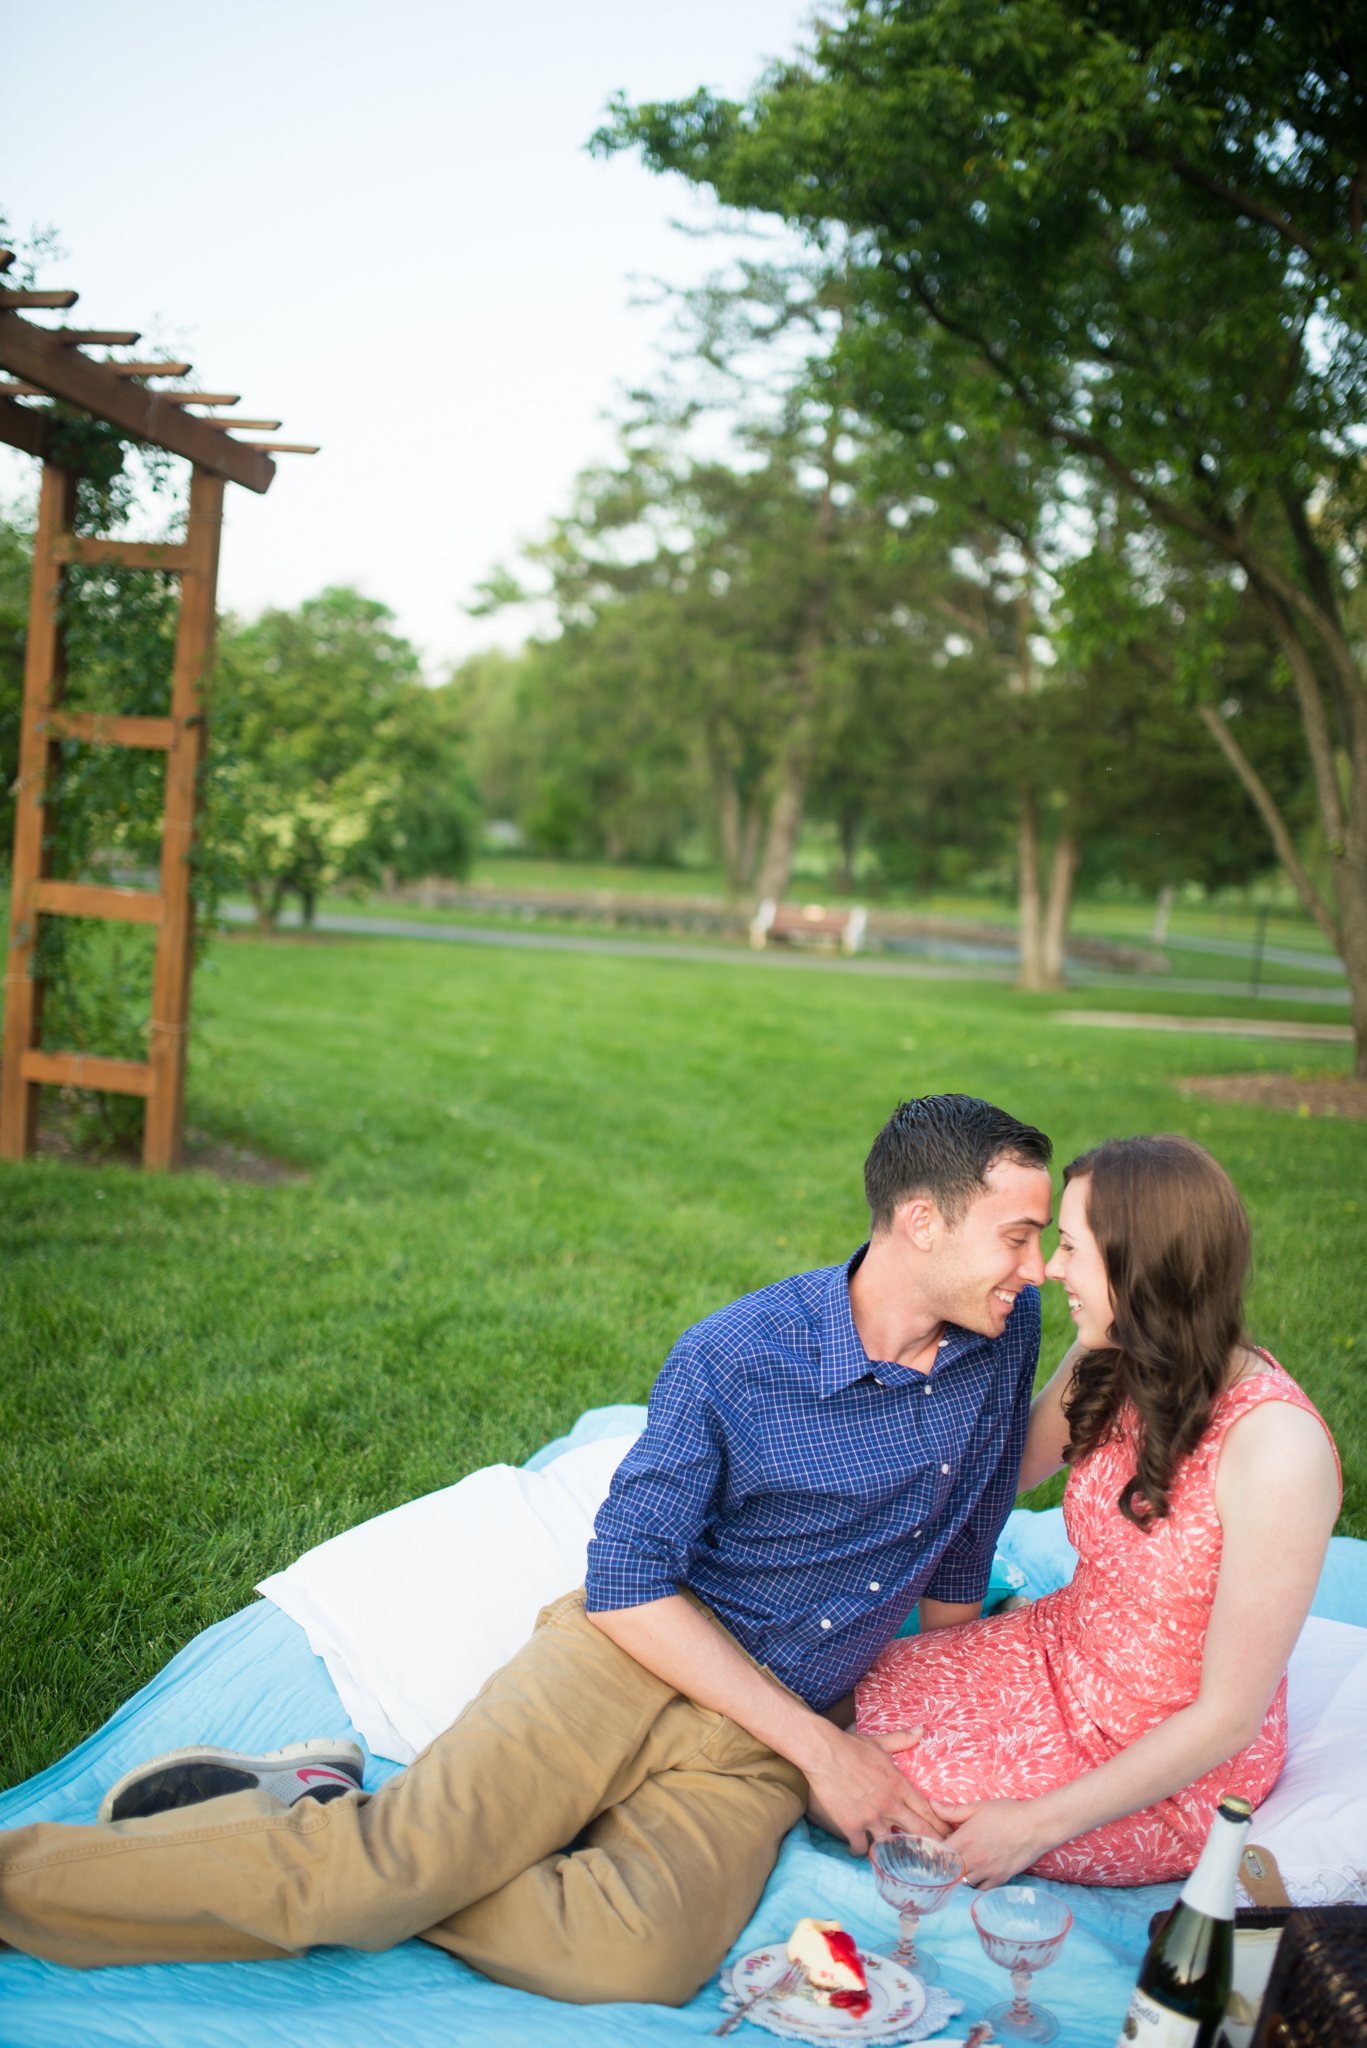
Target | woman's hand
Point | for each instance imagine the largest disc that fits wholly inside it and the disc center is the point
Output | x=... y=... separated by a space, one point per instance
x=997 y=1838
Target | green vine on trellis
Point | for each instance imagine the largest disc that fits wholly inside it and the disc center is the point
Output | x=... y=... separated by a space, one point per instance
x=106 y=803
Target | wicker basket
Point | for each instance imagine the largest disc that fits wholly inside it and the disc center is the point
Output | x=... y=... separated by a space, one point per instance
x=1316 y=1996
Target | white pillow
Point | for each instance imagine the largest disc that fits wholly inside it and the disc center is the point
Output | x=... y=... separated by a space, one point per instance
x=1314 y=1820
x=412 y=1611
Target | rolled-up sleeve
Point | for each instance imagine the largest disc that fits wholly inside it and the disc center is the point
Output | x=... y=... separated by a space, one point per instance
x=964 y=1571
x=664 y=1493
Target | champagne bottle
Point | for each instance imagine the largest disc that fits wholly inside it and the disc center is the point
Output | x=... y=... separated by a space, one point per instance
x=1184 y=1981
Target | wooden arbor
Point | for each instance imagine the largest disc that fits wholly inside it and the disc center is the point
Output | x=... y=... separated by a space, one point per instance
x=51 y=363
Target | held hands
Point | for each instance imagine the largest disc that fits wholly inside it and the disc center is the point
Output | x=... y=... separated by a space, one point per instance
x=860 y=1793
x=997 y=1838
x=855 y=1790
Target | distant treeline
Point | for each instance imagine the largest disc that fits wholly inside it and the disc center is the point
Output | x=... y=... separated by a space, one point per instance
x=801 y=635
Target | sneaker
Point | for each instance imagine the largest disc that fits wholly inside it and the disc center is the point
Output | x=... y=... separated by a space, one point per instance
x=321 y=1769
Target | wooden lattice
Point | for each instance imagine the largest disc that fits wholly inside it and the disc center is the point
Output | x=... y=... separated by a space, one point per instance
x=51 y=363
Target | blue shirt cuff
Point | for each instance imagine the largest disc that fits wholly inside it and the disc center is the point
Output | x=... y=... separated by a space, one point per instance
x=623 y=1579
x=960 y=1584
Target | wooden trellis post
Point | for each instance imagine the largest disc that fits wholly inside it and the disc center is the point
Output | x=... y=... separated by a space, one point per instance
x=189 y=730
x=53 y=364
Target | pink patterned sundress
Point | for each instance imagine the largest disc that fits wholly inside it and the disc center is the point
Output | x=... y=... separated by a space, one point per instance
x=1017 y=1704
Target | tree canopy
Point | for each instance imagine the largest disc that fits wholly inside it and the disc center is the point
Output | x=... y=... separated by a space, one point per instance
x=1132 y=238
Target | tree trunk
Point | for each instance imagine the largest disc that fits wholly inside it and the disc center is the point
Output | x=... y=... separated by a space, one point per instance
x=1347 y=933
x=785 y=823
x=1344 y=821
x=728 y=829
x=749 y=846
x=1290 y=608
x=738 y=824
x=1062 y=875
x=849 y=847
x=1350 y=886
x=1351 y=878
x=1031 y=936
x=265 y=902
x=1265 y=803
x=1162 y=911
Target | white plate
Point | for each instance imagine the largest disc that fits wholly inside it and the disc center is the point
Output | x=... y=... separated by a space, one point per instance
x=897 y=2000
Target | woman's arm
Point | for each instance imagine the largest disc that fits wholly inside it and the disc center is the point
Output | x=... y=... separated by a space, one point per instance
x=1047 y=1437
x=1277 y=1496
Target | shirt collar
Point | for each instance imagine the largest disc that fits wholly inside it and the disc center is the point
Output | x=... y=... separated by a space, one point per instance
x=843 y=1357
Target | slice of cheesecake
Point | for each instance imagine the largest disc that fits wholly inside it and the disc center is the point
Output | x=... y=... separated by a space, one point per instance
x=831 y=1960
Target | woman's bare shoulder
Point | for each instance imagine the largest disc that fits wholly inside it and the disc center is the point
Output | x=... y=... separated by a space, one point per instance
x=1278 y=1445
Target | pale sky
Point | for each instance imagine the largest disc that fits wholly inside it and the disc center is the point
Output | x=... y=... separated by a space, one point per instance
x=379 y=225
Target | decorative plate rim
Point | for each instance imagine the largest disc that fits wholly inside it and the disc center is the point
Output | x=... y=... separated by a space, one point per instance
x=888 y=2027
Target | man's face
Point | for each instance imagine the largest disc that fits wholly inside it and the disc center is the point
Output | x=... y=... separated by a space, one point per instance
x=981 y=1266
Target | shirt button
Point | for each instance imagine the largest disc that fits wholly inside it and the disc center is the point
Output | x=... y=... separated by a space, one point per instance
x=874 y=1586
x=944 y=1468
x=918 y=1532
x=926 y=1388
x=825 y=1624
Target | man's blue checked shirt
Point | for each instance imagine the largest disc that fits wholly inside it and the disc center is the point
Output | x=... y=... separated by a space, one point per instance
x=810 y=1494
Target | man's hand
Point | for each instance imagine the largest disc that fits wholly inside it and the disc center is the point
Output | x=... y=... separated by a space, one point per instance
x=997 y=1838
x=856 y=1790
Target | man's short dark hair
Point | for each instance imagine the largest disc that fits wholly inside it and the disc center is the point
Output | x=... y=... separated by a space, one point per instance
x=941 y=1146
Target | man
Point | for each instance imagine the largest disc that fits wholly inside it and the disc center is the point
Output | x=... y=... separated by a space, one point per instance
x=600 y=1821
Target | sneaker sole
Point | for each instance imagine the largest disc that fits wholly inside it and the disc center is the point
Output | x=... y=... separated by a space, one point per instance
x=322 y=1748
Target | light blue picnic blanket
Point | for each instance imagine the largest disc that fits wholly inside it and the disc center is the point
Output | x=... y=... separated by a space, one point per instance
x=252 y=1683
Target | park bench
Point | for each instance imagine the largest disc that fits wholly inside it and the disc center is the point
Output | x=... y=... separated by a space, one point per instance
x=808 y=924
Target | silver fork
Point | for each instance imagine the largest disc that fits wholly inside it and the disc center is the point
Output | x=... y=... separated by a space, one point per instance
x=792 y=1980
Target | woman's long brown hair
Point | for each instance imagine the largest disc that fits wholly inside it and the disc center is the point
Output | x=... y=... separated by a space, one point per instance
x=1175 y=1240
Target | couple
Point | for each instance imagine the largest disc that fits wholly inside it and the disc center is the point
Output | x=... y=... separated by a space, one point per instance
x=820 y=1457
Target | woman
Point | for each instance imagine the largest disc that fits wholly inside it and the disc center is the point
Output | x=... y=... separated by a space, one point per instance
x=1090 y=1735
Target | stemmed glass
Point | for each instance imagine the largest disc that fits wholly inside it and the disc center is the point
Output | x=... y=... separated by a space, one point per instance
x=916 y=1875
x=1022 y=1930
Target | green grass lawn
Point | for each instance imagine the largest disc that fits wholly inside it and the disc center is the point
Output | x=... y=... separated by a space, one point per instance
x=526 y=1173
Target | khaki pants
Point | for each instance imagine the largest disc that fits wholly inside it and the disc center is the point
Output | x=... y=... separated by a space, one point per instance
x=674 y=1815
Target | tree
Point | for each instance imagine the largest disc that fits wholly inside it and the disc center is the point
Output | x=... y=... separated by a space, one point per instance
x=687 y=656
x=1145 y=224
x=1149 y=633
x=726 y=626
x=334 y=759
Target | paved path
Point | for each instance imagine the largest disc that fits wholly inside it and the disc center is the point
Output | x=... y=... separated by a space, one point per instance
x=738 y=956
x=634 y=949
x=1218 y=1027
x=1244 y=949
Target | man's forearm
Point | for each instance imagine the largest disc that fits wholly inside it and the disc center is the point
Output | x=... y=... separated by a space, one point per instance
x=854 y=1789
x=681 y=1646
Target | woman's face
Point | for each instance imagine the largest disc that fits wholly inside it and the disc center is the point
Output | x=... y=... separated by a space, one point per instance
x=1079 y=1266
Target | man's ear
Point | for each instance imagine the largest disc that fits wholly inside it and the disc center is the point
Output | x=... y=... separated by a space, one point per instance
x=919 y=1221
